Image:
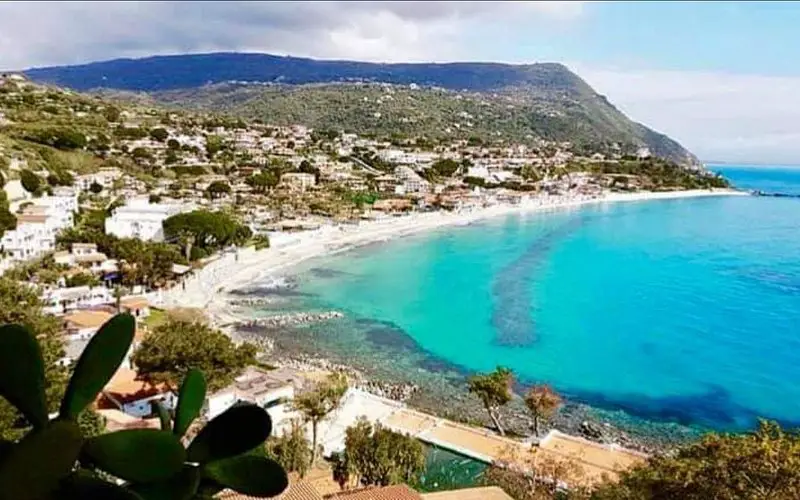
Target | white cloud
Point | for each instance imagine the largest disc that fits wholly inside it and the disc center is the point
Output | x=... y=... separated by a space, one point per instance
x=48 y=33
x=719 y=116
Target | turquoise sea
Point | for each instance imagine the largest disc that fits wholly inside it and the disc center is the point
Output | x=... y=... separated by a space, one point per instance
x=678 y=311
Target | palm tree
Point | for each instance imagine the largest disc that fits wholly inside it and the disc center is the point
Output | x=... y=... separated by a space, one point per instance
x=318 y=403
x=118 y=293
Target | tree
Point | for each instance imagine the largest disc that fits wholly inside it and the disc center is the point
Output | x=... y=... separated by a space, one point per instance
x=159 y=134
x=494 y=391
x=141 y=154
x=213 y=145
x=445 y=167
x=208 y=230
x=96 y=187
x=377 y=456
x=542 y=401
x=292 y=450
x=262 y=181
x=7 y=220
x=175 y=347
x=111 y=114
x=30 y=181
x=529 y=173
x=318 y=403
x=173 y=145
x=217 y=189
x=91 y=423
x=20 y=304
x=763 y=464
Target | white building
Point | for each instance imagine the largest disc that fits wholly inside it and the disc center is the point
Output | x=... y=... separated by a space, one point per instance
x=299 y=181
x=59 y=300
x=411 y=182
x=272 y=391
x=104 y=177
x=85 y=255
x=141 y=219
x=38 y=225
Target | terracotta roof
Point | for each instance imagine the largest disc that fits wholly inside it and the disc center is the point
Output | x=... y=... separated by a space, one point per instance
x=396 y=492
x=297 y=490
x=135 y=302
x=117 y=420
x=483 y=493
x=124 y=387
x=87 y=318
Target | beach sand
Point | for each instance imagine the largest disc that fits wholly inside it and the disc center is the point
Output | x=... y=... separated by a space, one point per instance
x=207 y=288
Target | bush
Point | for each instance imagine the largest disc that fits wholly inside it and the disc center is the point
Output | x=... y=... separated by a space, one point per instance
x=30 y=181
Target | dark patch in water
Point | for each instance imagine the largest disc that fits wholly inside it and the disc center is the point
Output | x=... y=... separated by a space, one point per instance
x=326 y=273
x=511 y=317
x=713 y=408
x=389 y=336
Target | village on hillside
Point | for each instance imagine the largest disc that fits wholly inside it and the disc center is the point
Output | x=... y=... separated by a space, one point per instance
x=110 y=207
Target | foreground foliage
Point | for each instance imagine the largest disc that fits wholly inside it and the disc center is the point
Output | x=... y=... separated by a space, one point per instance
x=57 y=460
x=759 y=465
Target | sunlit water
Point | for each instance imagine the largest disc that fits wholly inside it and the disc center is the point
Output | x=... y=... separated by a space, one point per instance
x=682 y=311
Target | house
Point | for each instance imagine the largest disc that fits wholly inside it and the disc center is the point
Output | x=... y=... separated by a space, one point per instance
x=392 y=205
x=37 y=226
x=138 y=307
x=411 y=181
x=117 y=421
x=86 y=256
x=394 y=492
x=141 y=219
x=298 y=181
x=60 y=300
x=134 y=397
x=271 y=390
x=105 y=177
x=299 y=489
x=84 y=324
x=479 y=493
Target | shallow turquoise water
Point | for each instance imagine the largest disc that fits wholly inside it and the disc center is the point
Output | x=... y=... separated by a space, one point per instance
x=685 y=311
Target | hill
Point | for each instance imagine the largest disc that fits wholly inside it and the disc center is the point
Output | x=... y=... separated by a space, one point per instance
x=484 y=100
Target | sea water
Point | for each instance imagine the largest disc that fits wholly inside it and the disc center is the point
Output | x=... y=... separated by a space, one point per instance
x=684 y=311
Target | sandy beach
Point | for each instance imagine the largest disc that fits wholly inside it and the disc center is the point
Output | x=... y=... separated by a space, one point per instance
x=206 y=288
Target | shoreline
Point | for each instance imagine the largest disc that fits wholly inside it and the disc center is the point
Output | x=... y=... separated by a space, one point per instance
x=207 y=288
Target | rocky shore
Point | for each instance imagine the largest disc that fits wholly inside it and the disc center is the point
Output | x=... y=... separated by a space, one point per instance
x=396 y=391
x=292 y=319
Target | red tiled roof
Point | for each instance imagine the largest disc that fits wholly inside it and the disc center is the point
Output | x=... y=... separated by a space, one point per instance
x=396 y=492
x=297 y=490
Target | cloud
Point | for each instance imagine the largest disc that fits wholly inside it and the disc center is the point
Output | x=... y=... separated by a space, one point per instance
x=48 y=33
x=718 y=116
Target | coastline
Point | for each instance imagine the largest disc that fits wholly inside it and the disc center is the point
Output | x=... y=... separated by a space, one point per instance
x=207 y=288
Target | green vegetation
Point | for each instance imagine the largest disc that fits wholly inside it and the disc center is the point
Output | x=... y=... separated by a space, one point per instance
x=494 y=391
x=291 y=450
x=56 y=459
x=176 y=345
x=30 y=181
x=21 y=305
x=376 y=456
x=317 y=404
x=202 y=232
x=570 y=111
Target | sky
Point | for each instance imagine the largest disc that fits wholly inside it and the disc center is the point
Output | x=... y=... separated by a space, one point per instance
x=723 y=78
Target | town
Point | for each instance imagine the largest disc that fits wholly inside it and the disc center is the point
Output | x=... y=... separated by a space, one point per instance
x=112 y=207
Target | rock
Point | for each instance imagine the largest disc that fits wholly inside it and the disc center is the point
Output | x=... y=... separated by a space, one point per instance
x=592 y=430
x=291 y=319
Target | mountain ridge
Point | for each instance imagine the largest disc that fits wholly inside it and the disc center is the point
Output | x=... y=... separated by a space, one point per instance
x=556 y=103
